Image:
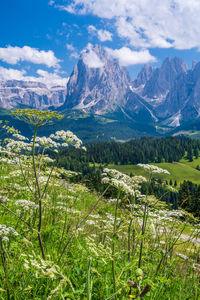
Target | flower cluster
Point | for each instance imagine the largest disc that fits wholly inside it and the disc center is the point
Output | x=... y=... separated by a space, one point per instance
x=67 y=137
x=4 y=199
x=153 y=169
x=60 y=139
x=18 y=146
x=40 y=267
x=46 y=142
x=129 y=185
x=26 y=205
x=6 y=231
x=20 y=137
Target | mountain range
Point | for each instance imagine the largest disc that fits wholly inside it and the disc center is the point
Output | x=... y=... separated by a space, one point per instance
x=33 y=94
x=165 y=98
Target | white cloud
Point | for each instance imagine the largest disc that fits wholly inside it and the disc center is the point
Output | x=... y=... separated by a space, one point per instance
x=50 y=79
x=103 y=35
x=13 y=55
x=127 y=57
x=92 y=29
x=90 y=58
x=155 y=23
x=10 y=74
x=73 y=50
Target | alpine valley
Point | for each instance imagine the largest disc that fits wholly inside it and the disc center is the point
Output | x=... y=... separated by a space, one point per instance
x=102 y=102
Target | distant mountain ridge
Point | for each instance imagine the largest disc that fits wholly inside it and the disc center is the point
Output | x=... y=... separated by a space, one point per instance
x=33 y=94
x=165 y=97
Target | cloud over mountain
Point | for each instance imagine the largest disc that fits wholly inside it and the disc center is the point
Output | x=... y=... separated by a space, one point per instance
x=90 y=58
x=162 y=24
x=127 y=57
x=49 y=79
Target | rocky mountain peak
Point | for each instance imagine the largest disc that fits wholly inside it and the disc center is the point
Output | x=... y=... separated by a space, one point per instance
x=163 y=78
x=143 y=76
x=176 y=65
x=98 y=83
x=194 y=62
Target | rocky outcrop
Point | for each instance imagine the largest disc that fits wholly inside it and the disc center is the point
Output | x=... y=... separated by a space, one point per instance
x=163 y=78
x=33 y=94
x=98 y=84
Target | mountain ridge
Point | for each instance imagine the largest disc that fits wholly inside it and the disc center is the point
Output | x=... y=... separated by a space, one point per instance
x=167 y=97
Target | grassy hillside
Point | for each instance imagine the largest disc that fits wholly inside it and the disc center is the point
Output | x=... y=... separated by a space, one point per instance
x=83 y=247
x=60 y=240
x=179 y=171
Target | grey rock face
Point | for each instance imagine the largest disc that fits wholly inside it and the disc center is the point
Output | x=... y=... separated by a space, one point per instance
x=98 y=84
x=183 y=99
x=34 y=94
x=143 y=76
x=163 y=78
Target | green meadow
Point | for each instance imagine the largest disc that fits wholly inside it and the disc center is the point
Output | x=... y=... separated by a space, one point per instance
x=179 y=171
x=62 y=240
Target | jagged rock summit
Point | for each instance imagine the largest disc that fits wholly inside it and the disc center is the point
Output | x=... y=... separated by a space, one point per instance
x=162 y=79
x=166 y=96
x=98 y=83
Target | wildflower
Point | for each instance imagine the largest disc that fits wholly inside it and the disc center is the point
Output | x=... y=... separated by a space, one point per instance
x=153 y=169
x=26 y=205
x=182 y=256
x=90 y=222
x=20 y=137
x=6 y=231
x=46 y=142
x=67 y=137
x=129 y=185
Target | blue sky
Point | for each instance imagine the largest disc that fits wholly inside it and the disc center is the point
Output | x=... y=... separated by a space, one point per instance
x=42 y=39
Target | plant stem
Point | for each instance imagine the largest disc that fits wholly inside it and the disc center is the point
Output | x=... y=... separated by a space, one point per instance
x=113 y=248
x=145 y=216
x=3 y=257
x=79 y=225
x=89 y=296
x=16 y=215
x=39 y=194
x=129 y=240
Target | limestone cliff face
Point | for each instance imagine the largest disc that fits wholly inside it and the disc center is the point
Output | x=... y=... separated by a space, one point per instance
x=34 y=94
x=143 y=76
x=98 y=84
x=183 y=100
x=163 y=78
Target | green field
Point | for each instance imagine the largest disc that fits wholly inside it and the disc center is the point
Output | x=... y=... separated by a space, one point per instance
x=179 y=171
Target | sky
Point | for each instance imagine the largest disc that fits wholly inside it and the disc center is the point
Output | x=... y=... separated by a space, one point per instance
x=41 y=40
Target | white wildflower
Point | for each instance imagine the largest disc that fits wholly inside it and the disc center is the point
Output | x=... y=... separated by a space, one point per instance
x=26 y=204
x=67 y=137
x=20 y=137
x=153 y=169
x=185 y=257
x=6 y=231
x=127 y=184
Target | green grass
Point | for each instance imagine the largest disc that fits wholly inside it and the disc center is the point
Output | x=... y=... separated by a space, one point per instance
x=92 y=245
x=179 y=171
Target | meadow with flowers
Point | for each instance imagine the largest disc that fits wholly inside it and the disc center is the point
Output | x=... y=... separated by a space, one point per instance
x=59 y=239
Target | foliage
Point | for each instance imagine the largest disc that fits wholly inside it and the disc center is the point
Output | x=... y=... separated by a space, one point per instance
x=95 y=247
